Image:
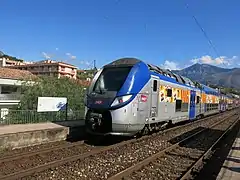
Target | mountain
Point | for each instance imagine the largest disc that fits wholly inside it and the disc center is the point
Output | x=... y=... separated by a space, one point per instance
x=209 y=74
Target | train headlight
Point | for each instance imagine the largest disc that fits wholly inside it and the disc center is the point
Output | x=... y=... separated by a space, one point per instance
x=120 y=100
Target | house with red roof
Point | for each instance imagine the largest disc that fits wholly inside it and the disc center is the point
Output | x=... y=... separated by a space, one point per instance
x=10 y=86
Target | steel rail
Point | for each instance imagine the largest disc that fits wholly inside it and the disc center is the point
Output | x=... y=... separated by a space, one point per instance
x=188 y=174
x=40 y=168
x=45 y=150
x=41 y=151
x=146 y=161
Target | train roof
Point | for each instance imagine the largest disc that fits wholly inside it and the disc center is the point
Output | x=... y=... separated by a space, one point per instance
x=232 y=96
x=170 y=76
x=123 y=62
x=209 y=90
x=166 y=72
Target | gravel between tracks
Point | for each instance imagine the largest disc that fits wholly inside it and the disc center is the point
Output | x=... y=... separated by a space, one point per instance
x=172 y=164
x=41 y=158
x=7 y=152
x=108 y=163
x=213 y=165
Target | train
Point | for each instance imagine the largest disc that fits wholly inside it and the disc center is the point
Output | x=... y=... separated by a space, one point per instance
x=129 y=97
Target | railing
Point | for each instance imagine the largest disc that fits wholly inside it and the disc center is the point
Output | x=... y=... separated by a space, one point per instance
x=32 y=116
x=67 y=72
x=10 y=97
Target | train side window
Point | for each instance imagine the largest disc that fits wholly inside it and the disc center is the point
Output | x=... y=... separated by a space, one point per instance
x=198 y=99
x=154 y=85
x=208 y=107
x=184 y=107
x=178 y=105
x=169 y=92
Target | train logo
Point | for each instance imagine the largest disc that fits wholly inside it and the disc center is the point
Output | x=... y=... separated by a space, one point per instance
x=98 y=102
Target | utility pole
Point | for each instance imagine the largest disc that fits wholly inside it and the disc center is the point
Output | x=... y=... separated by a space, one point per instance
x=94 y=68
x=94 y=64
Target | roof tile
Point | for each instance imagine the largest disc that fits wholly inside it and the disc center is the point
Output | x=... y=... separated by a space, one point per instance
x=15 y=74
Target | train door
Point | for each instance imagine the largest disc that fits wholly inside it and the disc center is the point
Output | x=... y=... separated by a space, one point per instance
x=192 y=110
x=198 y=105
x=154 y=97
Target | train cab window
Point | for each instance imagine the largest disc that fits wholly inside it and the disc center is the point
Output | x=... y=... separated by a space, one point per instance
x=155 y=85
x=198 y=99
x=111 y=79
x=169 y=92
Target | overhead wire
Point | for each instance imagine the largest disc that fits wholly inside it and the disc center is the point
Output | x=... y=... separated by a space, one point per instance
x=205 y=35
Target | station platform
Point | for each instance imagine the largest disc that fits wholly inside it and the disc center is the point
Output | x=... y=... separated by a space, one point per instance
x=231 y=167
x=22 y=135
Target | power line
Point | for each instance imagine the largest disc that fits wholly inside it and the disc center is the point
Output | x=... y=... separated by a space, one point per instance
x=205 y=34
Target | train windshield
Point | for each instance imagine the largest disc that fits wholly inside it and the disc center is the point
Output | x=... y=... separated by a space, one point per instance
x=111 y=79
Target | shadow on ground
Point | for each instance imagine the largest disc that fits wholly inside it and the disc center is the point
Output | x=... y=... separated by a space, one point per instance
x=79 y=134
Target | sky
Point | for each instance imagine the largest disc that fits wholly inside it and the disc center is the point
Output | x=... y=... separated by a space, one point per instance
x=163 y=32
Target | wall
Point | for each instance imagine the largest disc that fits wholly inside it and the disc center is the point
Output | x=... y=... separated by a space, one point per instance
x=10 y=82
x=9 y=100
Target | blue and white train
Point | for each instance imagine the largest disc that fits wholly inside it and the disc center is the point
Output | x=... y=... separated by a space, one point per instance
x=129 y=97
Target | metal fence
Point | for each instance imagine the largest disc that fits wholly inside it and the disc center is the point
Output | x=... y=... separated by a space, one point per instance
x=32 y=116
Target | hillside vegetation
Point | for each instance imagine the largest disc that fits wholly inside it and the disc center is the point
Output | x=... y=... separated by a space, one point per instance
x=212 y=75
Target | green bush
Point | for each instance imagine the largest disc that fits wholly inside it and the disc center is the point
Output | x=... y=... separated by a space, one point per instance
x=26 y=112
x=52 y=87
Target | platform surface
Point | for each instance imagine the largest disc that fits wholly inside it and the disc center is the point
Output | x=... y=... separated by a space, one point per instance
x=16 y=128
x=21 y=135
x=231 y=167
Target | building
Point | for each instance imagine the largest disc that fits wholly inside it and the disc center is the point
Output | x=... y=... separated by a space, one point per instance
x=10 y=86
x=48 y=68
x=5 y=62
x=45 y=67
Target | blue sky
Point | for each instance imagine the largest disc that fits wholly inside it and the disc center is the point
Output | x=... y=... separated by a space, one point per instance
x=159 y=32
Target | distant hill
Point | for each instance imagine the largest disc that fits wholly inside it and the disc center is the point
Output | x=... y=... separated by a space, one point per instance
x=209 y=74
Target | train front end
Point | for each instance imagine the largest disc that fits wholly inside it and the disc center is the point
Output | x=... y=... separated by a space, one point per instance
x=108 y=101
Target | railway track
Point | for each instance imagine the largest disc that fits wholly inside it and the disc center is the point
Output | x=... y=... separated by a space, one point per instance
x=12 y=157
x=19 y=165
x=182 y=159
x=26 y=160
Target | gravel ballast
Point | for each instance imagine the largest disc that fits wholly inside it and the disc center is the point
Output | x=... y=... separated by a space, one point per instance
x=171 y=165
x=212 y=166
x=23 y=163
x=108 y=163
x=8 y=152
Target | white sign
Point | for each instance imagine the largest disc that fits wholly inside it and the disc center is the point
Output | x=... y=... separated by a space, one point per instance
x=51 y=104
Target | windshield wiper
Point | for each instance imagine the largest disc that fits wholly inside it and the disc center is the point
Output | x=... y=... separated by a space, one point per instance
x=100 y=91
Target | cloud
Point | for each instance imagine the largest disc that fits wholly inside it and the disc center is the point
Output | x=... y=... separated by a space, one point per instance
x=85 y=63
x=46 y=56
x=194 y=61
x=71 y=56
x=171 y=65
x=222 y=60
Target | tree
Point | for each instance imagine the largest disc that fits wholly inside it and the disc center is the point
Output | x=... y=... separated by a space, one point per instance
x=47 y=87
x=84 y=74
x=52 y=87
x=11 y=58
